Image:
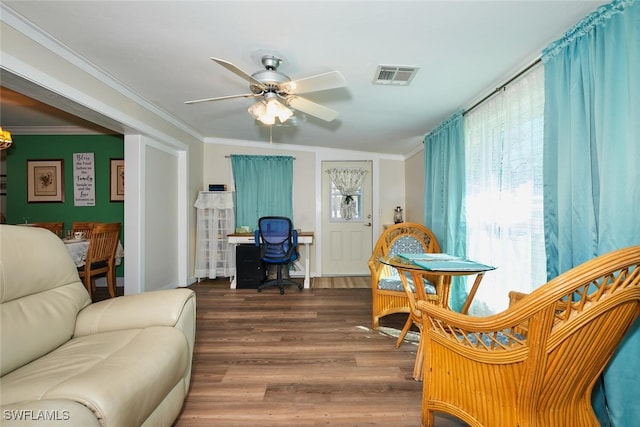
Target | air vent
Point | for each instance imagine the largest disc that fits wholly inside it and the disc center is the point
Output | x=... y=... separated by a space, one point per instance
x=394 y=75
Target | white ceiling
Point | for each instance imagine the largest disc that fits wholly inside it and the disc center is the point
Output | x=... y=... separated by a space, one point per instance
x=160 y=50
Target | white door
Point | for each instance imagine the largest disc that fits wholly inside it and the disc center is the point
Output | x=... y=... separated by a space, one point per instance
x=346 y=243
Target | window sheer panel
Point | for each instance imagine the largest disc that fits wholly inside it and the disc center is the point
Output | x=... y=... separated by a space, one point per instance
x=504 y=203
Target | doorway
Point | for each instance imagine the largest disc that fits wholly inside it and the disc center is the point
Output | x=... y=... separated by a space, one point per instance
x=347 y=231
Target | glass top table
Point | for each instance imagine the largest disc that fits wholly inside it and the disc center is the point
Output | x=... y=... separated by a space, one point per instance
x=442 y=266
x=438 y=267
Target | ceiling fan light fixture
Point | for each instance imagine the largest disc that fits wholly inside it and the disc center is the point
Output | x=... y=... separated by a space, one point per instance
x=278 y=109
x=267 y=120
x=279 y=95
x=285 y=114
x=267 y=111
x=257 y=110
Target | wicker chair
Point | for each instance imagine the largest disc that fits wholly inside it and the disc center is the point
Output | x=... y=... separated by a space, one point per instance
x=388 y=294
x=534 y=364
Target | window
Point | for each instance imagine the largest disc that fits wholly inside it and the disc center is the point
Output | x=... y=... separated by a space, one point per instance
x=346 y=193
x=336 y=203
x=504 y=204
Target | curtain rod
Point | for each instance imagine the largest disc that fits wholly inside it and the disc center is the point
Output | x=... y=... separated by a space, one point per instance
x=228 y=157
x=504 y=85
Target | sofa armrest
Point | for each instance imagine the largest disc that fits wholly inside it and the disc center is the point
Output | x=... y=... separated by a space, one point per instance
x=157 y=308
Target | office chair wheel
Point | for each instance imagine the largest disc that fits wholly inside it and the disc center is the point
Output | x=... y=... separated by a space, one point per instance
x=281 y=291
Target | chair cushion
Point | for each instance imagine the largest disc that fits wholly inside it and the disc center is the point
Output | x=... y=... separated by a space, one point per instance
x=502 y=338
x=406 y=244
x=393 y=283
x=279 y=259
x=95 y=265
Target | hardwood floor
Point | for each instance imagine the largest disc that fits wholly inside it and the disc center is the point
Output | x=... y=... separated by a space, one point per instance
x=344 y=282
x=302 y=359
x=305 y=358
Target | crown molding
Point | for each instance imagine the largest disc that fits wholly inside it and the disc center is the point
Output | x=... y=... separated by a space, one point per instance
x=320 y=151
x=59 y=130
x=38 y=35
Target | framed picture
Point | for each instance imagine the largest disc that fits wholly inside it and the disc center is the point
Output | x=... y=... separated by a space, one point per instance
x=45 y=181
x=116 y=178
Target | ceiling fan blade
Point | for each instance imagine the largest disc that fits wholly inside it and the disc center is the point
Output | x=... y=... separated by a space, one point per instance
x=220 y=98
x=326 y=81
x=311 y=108
x=239 y=72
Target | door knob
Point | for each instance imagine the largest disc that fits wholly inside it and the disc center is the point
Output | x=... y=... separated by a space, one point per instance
x=368 y=224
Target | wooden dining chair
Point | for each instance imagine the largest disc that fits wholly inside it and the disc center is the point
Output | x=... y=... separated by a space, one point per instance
x=54 y=227
x=84 y=227
x=101 y=255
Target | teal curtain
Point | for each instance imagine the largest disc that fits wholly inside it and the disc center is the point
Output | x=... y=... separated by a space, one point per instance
x=444 y=184
x=591 y=168
x=263 y=187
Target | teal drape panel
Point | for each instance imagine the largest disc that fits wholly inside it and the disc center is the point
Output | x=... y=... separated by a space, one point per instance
x=444 y=188
x=264 y=187
x=592 y=167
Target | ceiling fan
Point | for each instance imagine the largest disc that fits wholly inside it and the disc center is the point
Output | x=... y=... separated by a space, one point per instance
x=277 y=91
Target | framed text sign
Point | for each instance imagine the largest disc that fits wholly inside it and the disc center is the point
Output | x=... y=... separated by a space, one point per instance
x=84 y=191
x=45 y=181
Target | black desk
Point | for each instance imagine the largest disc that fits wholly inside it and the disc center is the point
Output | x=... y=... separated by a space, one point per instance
x=250 y=270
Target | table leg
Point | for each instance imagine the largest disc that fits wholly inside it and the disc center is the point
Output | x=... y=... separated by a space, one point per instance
x=443 y=292
x=307 y=274
x=404 y=331
x=417 y=367
x=233 y=269
x=472 y=293
x=415 y=317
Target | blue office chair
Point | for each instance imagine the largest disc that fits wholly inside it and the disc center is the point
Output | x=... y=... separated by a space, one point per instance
x=278 y=243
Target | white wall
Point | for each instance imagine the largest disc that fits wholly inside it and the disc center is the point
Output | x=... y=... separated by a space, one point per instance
x=414 y=188
x=44 y=63
x=217 y=170
x=161 y=239
x=78 y=88
x=392 y=191
x=388 y=181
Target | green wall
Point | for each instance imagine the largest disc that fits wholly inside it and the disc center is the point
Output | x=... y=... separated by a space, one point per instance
x=33 y=147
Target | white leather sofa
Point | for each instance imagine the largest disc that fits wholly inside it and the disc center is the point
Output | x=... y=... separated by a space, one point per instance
x=67 y=362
